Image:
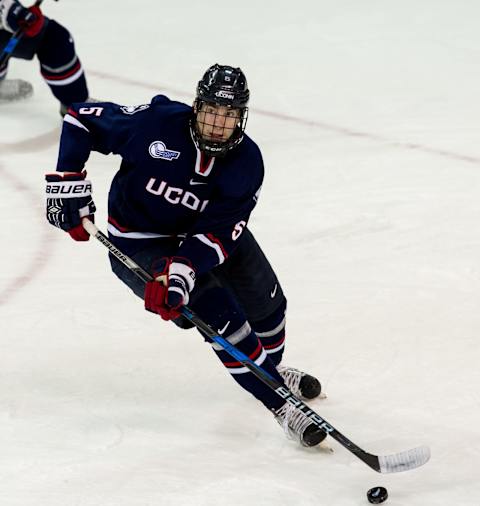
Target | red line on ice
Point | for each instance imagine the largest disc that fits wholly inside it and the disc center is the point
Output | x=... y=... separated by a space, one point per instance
x=38 y=260
x=347 y=132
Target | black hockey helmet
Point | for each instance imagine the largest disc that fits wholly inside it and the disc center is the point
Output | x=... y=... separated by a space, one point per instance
x=221 y=85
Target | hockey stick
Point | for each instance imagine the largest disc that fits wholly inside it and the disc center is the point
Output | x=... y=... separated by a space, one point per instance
x=397 y=462
x=15 y=39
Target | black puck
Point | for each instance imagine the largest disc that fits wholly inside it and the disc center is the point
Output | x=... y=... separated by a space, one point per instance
x=377 y=495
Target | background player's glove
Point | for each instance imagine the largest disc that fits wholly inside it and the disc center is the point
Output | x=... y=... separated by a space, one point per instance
x=14 y=15
x=33 y=22
x=174 y=280
x=69 y=199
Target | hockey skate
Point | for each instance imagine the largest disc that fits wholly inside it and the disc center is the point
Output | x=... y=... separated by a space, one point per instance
x=298 y=427
x=300 y=383
x=12 y=90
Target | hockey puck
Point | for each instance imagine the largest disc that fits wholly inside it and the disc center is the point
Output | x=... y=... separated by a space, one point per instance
x=377 y=495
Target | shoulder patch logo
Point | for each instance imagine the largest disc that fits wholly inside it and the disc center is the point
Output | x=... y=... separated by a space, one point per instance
x=132 y=109
x=158 y=149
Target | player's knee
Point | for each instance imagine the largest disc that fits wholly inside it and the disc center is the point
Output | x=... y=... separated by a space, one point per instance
x=274 y=323
x=271 y=331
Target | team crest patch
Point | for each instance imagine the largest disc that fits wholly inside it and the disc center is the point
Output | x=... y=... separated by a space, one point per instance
x=158 y=149
x=132 y=109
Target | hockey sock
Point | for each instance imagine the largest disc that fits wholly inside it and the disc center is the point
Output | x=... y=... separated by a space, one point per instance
x=221 y=311
x=271 y=332
x=60 y=65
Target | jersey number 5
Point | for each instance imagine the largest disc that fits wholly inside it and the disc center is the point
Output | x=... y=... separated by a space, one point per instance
x=96 y=111
x=238 y=229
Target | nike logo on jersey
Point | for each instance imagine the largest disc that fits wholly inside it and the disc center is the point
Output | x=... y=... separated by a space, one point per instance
x=221 y=331
x=193 y=182
x=274 y=291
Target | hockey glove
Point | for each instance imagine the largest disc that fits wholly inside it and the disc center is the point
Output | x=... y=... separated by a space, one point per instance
x=33 y=22
x=14 y=15
x=174 y=280
x=69 y=199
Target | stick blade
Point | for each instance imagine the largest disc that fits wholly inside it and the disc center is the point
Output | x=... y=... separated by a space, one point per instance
x=404 y=461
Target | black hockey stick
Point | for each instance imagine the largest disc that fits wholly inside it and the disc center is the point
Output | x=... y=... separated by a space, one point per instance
x=15 y=38
x=402 y=461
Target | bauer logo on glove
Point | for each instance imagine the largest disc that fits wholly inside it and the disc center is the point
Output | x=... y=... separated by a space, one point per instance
x=69 y=189
x=69 y=199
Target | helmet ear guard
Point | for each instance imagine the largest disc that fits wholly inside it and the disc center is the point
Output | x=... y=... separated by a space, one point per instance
x=221 y=85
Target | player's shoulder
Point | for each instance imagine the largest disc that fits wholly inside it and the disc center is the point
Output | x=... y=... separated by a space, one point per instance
x=248 y=155
x=242 y=171
x=159 y=105
x=163 y=104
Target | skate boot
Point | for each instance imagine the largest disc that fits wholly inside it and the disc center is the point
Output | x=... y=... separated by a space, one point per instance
x=12 y=90
x=299 y=427
x=300 y=383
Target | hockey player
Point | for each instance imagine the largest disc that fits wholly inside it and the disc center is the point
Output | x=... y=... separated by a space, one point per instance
x=179 y=206
x=52 y=43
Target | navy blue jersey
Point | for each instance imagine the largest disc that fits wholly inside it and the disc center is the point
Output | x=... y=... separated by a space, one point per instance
x=165 y=186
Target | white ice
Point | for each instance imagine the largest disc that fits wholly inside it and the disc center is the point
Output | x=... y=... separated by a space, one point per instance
x=368 y=115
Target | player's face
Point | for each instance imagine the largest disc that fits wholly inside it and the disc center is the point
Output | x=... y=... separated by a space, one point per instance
x=217 y=122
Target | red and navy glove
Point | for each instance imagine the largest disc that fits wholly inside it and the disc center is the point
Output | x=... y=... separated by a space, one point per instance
x=33 y=22
x=174 y=280
x=14 y=15
x=69 y=199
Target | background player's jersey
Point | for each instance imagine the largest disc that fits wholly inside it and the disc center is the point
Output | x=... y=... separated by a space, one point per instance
x=165 y=185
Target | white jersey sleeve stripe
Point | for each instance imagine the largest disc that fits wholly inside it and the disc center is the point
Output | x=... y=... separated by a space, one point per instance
x=203 y=238
x=74 y=121
x=137 y=235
